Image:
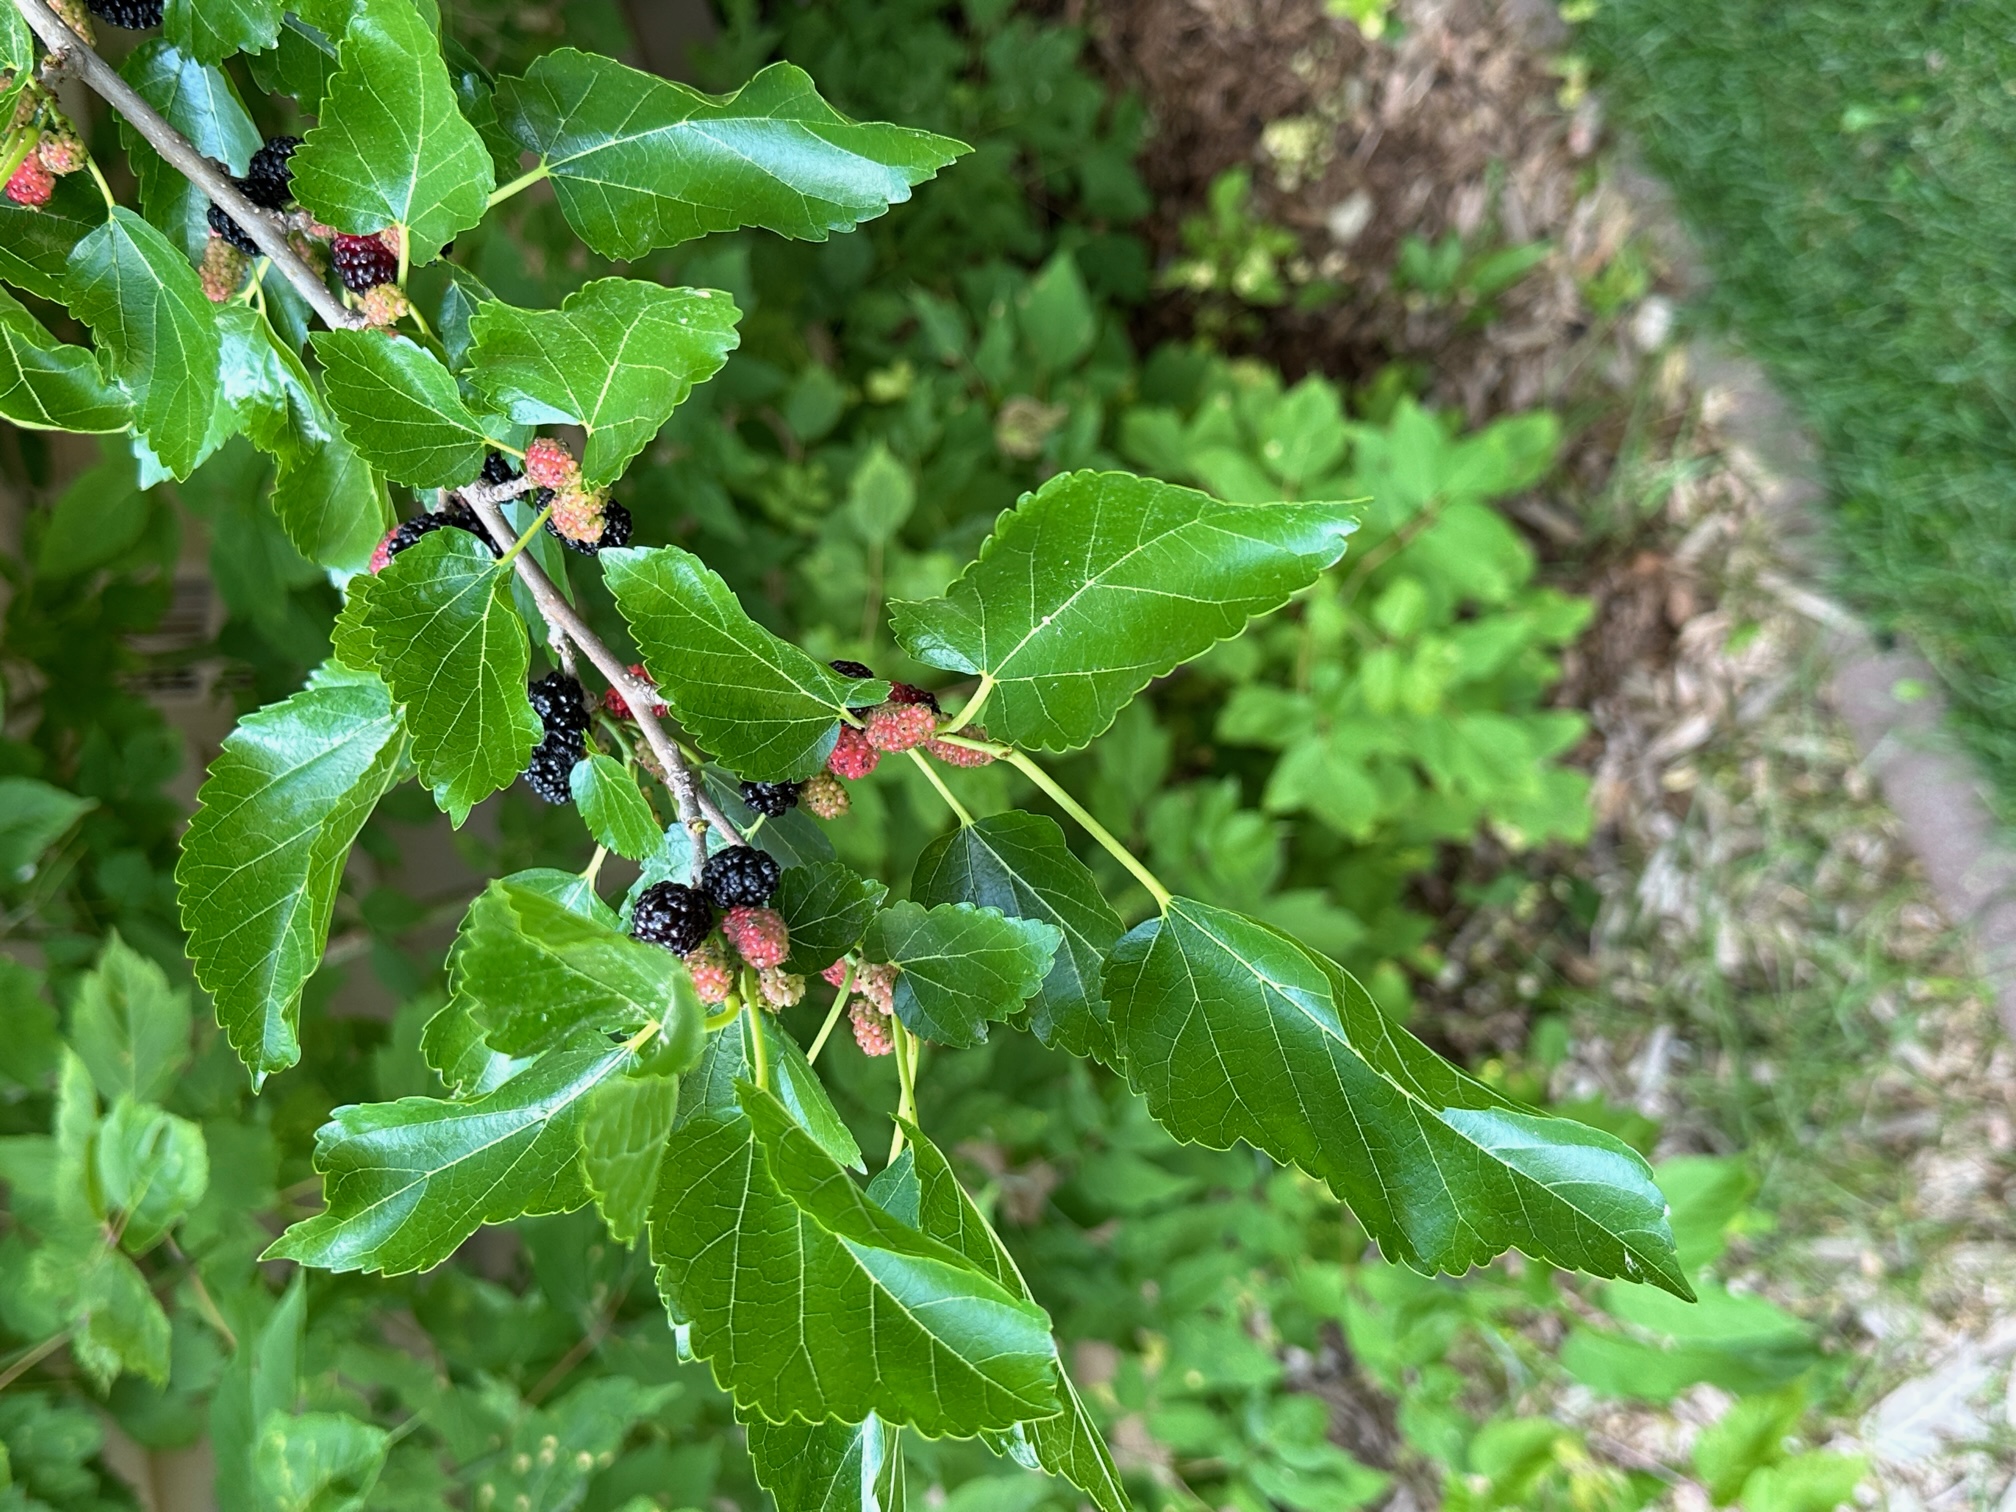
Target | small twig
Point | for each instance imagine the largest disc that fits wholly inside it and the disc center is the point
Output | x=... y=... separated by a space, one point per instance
x=696 y=809
x=33 y=1358
x=74 y=54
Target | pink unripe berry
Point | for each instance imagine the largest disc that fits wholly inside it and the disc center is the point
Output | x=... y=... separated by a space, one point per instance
x=961 y=756
x=871 y=1028
x=900 y=727
x=852 y=758
x=758 y=933
x=780 y=988
x=876 y=981
x=549 y=464
x=577 y=510
x=707 y=962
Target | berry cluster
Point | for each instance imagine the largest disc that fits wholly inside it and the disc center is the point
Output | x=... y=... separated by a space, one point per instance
x=457 y=514
x=870 y=1013
x=129 y=15
x=908 y=720
x=736 y=886
x=268 y=183
x=771 y=799
x=582 y=517
x=364 y=262
x=556 y=699
x=58 y=151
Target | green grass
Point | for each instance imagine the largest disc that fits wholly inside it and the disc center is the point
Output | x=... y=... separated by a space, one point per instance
x=1850 y=172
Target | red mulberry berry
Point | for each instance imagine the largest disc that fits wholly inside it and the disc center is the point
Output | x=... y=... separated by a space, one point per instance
x=363 y=262
x=618 y=705
x=961 y=756
x=910 y=693
x=382 y=552
x=32 y=184
x=835 y=974
x=852 y=756
x=758 y=933
x=825 y=796
x=550 y=465
x=871 y=1028
x=900 y=727
x=707 y=964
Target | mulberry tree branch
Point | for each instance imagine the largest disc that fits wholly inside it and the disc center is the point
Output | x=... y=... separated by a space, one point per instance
x=69 y=50
x=696 y=809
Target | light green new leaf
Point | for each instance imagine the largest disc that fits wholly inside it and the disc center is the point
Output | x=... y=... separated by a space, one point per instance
x=829 y=1467
x=1018 y=863
x=212 y=30
x=638 y=162
x=46 y=384
x=400 y=408
x=264 y=1376
x=200 y=102
x=615 y=359
x=1234 y=1031
x=129 y=1026
x=962 y=965
x=261 y=860
x=623 y=1134
x=152 y=1167
x=756 y=703
x=157 y=333
x=826 y=908
x=808 y=1299
x=613 y=808
x=406 y=1182
x=391 y=147
x=920 y=1189
x=33 y=816
x=118 y=1326
x=445 y=635
x=317 y=1461
x=1098 y=583
x=535 y=971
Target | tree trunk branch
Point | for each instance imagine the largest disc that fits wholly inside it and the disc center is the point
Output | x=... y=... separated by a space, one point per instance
x=71 y=51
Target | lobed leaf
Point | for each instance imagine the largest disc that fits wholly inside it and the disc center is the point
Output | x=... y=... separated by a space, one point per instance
x=1234 y=1031
x=807 y=1299
x=406 y=1182
x=400 y=408
x=615 y=359
x=391 y=147
x=1018 y=863
x=1098 y=583
x=962 y=966
x=157 y=333
x=263 y=855
x=638 y=162
x=443 y=632
x=757 y=703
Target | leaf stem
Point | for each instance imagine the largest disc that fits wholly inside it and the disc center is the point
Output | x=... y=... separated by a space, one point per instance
x=518 y=185
x=1091 y=826
x=19 y=146
x=931 y=776
x=833 y=1014
x=594 y=867
x=973 y=706
x=642 y=1037
x=32 y=1358
x=759 y=1054
x=98 y=178
x=103 y=79
x=526 y=539
x=714 y=1023
x=906 y=1081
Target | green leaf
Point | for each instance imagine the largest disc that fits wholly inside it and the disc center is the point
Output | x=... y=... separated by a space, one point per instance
x=756 y=703
x=36 y=243
x=1234 y=1031
x=536 y=971
x=452 y=1044
x=638 y=162
x=710 y=1089
x=623 y=1135
x=129 y=1026
x=829 y=1467
x=826 y=909
x=919 y=1188
x=263 y=1377
x=152 y=1167
x=1018 y=863
x=962 y=966
x=200 y=102
x=613 y=808
x=406 y=1182
x=118 y=1326
x=615 y=359
x=823 y=1305
x=1098 y=583
x=317 y=1461
x=1749 y=1436
x=445 y=635
x=1817 y=1482
x=48 y=385
x=400 y=408
x=212 y=30
x=391 y=147
x=157 y=333
x=263 y=856
x=33 y=817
